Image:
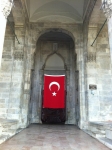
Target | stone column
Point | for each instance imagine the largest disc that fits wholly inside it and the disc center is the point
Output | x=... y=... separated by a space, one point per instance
x=107 y=9
x=5 y=8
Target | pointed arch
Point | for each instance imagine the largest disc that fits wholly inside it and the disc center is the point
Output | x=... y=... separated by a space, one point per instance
x=54 y=62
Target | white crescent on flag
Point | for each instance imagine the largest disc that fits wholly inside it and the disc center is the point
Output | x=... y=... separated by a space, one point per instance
x=54 y=83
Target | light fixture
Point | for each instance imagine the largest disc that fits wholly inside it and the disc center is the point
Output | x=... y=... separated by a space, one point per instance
x=107 y=7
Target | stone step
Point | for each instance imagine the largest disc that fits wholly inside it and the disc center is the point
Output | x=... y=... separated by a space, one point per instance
x=109 y=134
x=19 y=130
x=12 y=131
x=9 y=132
x=89 y=132
x=102 y=131
x=1 y=130
x=3 y=138
x=5 y=125
x=106 y=142
x=12 y=126
x=8 y=128
x=98 y=134
x=95 y=134
x=96 y=127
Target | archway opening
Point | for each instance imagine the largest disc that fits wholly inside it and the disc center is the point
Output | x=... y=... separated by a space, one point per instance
x=54 y=56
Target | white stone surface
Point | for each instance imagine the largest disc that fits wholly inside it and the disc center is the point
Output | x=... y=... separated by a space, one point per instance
x=5 y=8
x=2 y=32
x=109 y=134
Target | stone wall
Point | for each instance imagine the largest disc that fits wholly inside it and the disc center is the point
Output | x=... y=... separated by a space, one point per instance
x=6 y=74
x=99 y=74
x=85 y=41
x=11 y=75
x=75 y=31
x=16 y=94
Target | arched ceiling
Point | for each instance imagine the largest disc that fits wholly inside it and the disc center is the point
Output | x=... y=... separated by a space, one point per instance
x=55 y=36
x=65 y=11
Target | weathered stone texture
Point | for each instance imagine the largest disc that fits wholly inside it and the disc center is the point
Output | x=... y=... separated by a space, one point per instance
x=11 y=75
x=99 y=73
x=46 y=49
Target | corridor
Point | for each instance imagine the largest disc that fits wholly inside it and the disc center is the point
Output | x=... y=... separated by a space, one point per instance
x=52 y=137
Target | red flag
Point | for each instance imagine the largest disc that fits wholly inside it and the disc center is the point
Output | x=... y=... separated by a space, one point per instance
x=54 y=91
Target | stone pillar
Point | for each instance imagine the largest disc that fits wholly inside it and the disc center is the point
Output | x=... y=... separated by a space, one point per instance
x=107 y=9
x=5 y=8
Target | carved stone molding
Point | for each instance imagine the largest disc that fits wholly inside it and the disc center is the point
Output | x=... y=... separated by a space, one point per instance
x=91 y=57
x=18 y=55
x=6 y=6
x=107 y=8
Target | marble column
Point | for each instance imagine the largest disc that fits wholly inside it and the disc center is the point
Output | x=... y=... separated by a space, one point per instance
x=5 y=8
x=107 y=9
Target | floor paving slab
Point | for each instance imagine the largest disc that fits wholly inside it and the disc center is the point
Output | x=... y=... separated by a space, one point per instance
x=52 y=137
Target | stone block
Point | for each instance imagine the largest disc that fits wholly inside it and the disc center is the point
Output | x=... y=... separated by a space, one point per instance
x=11 y=111
x=3 y=115
x=6 y=66
x=4 y=85
x=2 y=100
x=13 y=116
x=3 y=110
x=2 y=105
x=106 y=99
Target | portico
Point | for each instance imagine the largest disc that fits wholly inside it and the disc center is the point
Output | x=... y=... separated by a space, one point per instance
x=55 y=38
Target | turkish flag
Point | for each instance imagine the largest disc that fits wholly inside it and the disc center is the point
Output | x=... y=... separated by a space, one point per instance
x=54 y=91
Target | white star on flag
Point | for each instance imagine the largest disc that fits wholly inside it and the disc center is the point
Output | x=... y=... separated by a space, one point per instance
x=54 y=94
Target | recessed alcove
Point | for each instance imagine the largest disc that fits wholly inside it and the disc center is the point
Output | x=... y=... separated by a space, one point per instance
x=59 y=61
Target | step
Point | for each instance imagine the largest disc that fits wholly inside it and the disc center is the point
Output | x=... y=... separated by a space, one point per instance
x=9 y=132
x=8 y=128
x=106 y=142
x=96 y=126
x=109 y=134
x=102 y=132
x=5 y=125
x=1 y=130
x=89 y=132
x=3 y=138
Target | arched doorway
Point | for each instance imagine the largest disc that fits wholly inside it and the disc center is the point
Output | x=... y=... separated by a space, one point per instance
x=54 y=68
x=58 y=46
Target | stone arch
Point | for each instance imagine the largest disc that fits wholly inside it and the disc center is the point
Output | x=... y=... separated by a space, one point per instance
x=56 y=30
x=66 y=53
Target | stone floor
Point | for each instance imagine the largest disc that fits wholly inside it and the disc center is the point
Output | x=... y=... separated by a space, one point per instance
x=52 y=137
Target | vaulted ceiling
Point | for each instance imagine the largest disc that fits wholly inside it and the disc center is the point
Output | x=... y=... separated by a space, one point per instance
x=66 y=11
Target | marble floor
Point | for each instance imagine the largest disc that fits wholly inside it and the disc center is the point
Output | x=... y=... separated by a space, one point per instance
x=52 y=137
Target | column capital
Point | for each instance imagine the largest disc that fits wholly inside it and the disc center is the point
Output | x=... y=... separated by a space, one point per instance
x=107 y=8
x=5 y=6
